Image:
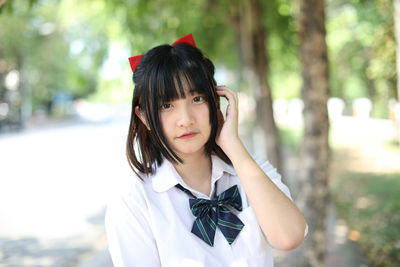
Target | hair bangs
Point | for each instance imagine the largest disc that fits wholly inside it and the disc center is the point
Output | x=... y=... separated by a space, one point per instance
x=176 y=79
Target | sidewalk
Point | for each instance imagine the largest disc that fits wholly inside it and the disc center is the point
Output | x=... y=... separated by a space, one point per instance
x=99 y=257
x=340 y=251
x=55 y=183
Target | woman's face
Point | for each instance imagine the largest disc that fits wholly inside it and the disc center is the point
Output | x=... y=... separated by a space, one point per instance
x=186 y=125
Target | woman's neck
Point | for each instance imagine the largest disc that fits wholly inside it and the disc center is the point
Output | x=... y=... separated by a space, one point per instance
x=196 y=172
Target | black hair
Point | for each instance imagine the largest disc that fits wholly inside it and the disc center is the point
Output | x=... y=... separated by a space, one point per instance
x=164 y=74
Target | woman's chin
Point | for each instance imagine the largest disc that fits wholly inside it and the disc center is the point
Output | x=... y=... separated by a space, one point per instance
x=190 y=151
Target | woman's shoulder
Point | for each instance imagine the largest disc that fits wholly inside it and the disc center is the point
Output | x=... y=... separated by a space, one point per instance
x=132 y=193
x=266 y=166
x=272 y=174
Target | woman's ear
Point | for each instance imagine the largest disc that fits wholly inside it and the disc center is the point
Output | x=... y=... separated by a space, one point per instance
x=141 y=116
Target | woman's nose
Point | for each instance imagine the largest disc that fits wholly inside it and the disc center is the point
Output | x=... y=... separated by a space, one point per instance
x=185 y=116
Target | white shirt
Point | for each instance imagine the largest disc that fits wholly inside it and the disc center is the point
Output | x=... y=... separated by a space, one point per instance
x=150 y=224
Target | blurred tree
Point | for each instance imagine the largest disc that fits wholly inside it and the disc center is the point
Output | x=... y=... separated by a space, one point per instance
x=253 y=38
x=13 y=55
x=282 y=46
x=8 y=5
x=397 y=34
x=361 y=43
x=45 y=56
x=315 y=147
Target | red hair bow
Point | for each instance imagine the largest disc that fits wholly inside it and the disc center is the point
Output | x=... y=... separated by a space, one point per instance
x=187 y=39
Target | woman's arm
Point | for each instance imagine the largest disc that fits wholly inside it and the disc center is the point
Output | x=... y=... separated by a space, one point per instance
x=279 y=218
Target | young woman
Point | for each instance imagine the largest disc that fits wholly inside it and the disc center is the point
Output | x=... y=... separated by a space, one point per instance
x=198 y=198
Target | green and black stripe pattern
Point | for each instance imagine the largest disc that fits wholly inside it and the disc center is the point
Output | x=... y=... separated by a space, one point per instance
x=212 y=213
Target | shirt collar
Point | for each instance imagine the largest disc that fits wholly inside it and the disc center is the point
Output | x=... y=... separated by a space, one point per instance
x=219 y=167
x=167 y=177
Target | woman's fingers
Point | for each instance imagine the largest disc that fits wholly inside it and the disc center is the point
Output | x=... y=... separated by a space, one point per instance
x=229 y=131
x=227 y=93
x=230 y=95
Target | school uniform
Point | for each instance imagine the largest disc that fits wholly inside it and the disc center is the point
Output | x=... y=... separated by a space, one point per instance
x=151 y=223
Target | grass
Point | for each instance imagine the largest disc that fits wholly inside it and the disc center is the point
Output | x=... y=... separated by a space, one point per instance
x=393 y=144
x=370 y=203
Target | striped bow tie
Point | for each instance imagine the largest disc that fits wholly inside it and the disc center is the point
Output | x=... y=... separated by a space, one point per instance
x=207 y=219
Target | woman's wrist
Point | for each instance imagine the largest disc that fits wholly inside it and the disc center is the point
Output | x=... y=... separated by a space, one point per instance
x=235 y=150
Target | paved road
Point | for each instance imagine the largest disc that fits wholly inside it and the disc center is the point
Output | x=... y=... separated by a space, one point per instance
x=54 y=184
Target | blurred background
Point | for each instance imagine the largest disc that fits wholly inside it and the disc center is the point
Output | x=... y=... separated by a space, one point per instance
x=318 y=87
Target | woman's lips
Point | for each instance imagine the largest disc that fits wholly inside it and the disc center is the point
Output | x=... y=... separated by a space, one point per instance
x=187 y=135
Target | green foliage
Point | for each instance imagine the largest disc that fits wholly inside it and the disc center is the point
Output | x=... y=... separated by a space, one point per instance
x=370 y=203
x=42 y=51
x=282 y=46
x=8 y=5
x=360 y=40
x=151 y=23
x=360 y=37
x=291 y=137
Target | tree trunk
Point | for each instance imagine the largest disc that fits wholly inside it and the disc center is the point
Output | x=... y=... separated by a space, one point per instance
x=2 y=77
x=370 y=82
x=2 y=2
x=397 y=35
x=315 y=147
x=252 y=35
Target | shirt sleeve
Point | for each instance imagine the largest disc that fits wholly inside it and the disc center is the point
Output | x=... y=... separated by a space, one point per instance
x=130 y=239
x=273 y=174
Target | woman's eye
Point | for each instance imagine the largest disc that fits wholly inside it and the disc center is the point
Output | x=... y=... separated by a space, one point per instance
x=166 y=106
x=198 y=99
